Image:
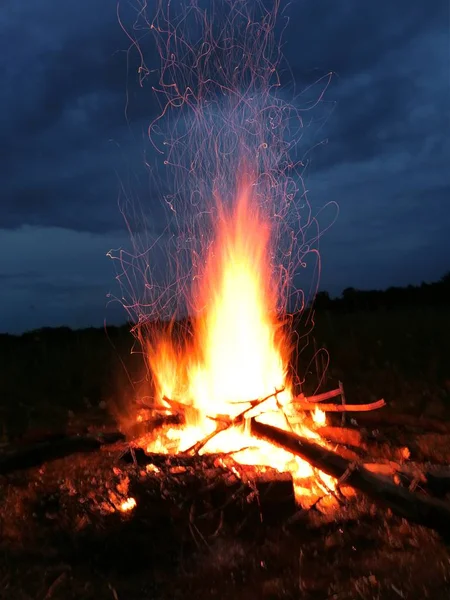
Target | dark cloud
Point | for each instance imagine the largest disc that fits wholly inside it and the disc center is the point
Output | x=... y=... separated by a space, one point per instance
x=73 y=146
x=353 y=37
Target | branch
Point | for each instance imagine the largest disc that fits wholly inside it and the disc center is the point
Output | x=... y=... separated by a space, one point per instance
x=319 y=397
x=311 y=406
x=226 y=423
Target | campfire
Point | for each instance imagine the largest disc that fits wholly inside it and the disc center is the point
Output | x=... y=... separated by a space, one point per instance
x=230 y=376
x=234 y=366
x=224 y=445
x=224 y=411
x=223 y=399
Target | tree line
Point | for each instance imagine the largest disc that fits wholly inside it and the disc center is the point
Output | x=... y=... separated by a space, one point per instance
x=351 y=300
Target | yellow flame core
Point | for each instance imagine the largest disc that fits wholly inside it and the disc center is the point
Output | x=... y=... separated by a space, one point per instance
x=239 y=357
x=239 y=352
x=128 y=505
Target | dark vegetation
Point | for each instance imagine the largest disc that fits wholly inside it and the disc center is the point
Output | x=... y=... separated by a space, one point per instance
x=427 y=294
x=393 y=344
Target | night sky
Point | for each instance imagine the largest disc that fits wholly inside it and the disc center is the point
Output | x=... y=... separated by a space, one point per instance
x=67 y=146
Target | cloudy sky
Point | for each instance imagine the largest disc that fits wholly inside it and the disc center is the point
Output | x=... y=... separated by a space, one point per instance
x=67 y=146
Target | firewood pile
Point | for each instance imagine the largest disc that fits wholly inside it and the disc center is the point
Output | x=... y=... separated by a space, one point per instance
x=98 y=496
x=399 y=462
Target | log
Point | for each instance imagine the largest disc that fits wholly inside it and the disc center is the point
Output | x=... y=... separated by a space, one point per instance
x=433 y=447
x=342 y=435
x=141 y=458
x=218 y=497
x=340 y=408
x=354 y=439
x=414 y=507
x=400 y=420
x=254 y=498
x=432 y=478
x=61 y=445
x=141 y=428
x=438 y=482
x=35 y=455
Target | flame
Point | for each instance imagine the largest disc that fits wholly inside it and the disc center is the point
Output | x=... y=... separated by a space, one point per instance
x=319 y=417
x=128 y=505
x=241 y=357
x=239 y=349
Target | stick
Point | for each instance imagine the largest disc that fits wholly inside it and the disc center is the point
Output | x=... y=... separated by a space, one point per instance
x=226 y=423
x=341 y=408
x=343 y=402
x=195 y=449
x=319 y=397
x=417 y=508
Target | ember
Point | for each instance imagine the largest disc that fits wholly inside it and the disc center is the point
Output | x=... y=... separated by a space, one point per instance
x=128 y=505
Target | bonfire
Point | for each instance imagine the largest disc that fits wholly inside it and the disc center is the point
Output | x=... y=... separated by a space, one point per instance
x=234 y=367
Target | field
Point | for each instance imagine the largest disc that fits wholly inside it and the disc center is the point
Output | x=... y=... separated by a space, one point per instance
x=54 y=379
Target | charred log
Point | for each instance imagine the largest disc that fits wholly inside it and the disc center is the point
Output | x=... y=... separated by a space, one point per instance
x=60 y=445
x=139 y=457
x=207 y=499
x=430 y=478
x=414 y=507
x=374 y=419
x=34 y=455
x=137 y=430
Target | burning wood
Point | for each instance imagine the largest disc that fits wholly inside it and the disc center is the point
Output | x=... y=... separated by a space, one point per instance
x=414 y=507
x=312 y=406
x=280 y=456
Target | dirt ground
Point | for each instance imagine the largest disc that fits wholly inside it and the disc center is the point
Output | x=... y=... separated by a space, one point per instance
x=62 y=539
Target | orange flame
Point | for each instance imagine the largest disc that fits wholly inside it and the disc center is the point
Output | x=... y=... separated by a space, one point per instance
x=240 y=348
x=128 y=505
x=240 y=357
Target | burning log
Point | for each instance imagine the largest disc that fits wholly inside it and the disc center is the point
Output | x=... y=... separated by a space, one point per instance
x=414 y=507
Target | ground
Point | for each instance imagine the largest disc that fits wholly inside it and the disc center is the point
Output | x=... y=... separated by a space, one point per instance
x=59 y=540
